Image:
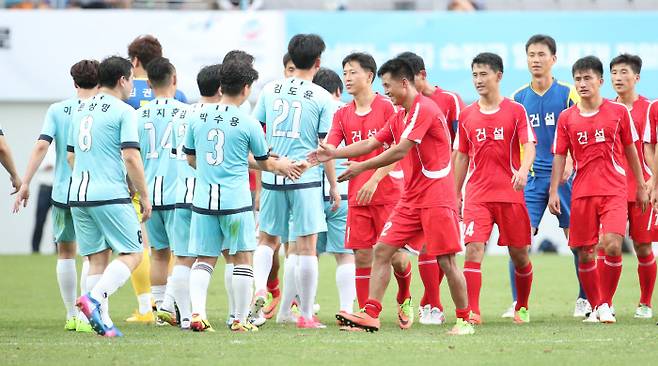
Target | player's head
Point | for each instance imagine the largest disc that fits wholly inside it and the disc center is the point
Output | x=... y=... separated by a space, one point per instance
x=161 y=74
x=238 y=55
x=487 y=73
x=116 y=73
x=85 y=74
x=208 y=80
x=359 y=71
x=418 y=66
x=541 y=54
x=397 y=79
x=288 y=66
x=625 y=72
x=143 y=50
x=330 y=81
x=236 y=79
x=587 y=75
x=305 y=51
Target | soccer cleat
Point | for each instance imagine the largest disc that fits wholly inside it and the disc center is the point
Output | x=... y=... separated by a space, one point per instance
x=359 y=320
x=112 y=332
x=167 y=317
x=593 y=317
x=474 y=318
x=137 y=317
x=316 y=308
x=294 y=309
x=509 y=313
x=424 y=314
x=582 y=308
x=229 y=321
x=259 y=302
x=462 y=327
x=406 y=314
x=347 y=328
x=92 y=310
x=605 y=314
x=200 y=325
x=185 y=324
x=70 y=323
x=643 y=312
x=270 y=305
x=257 y=320
x=312 y=323
x=237 y=326
x=287 y=318
x=83 y=326
x=437 y=317
x=521 y=316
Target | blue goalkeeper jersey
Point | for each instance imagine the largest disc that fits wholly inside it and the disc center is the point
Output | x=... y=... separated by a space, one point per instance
x=186 y=175
x=142 y=94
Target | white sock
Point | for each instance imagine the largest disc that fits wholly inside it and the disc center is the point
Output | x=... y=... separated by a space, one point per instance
x=67 y=278
x=243 y=282
x=114 y=276
x=345 y=274
x=180 y=283
x=83 y=286
x=262 y=266
x=199 y=281
x=228 y=284
x=144 y=301
x=168 y=303
x=289 y=284
x=307 y=277
x=90 y=282
x=105 y=312
x=158 y=292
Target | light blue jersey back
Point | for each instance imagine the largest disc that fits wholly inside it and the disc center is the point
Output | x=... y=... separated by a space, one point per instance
x=296 y=113
x=221 y=137
x=186 y=179
x=340 y=168
x=101 y=127
x=56 y=128
x=155 y=123
x=543 y=112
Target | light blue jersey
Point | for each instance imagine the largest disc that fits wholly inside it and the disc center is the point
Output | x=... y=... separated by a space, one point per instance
x=221 y=137
x=56 y=128
x=101 y=127
x=186 y=175
x=296 y=113
x=155 y=123
x=340 y=168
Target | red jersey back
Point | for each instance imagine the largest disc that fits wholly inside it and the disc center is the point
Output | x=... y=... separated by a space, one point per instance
x=451 y=105
x=596 y=142
x=493 y=142
x=428 y=178
x=351 y=127
x=639 y=117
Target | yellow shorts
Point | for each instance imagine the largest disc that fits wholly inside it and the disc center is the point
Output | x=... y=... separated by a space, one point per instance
x=137 y=207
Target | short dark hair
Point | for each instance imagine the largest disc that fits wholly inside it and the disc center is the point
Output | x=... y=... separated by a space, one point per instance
x=542 y=39
x=286 y=59
x=329 y=80
x=492 y=60
x=146 y=48
x=304 y=49
x=588 y=63
x=112 y=69
x=634 y=61
x=398 y=68
x=160 y=71
x=235 y=75
x=238 y=55
x=417 y=63
x=365 y=60
x=208 y=80
x=85 y=74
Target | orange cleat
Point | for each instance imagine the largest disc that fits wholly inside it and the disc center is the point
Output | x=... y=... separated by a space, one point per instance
x=359 y=320
x=270 y=305
x=475 y=319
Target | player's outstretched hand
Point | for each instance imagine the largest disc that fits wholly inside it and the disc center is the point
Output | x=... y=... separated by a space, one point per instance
x=335 y=198
x=353 y=169
x=554 y=204
x=15 y=183
x=325 y=152
x=364 y=196
x=519 y=180
x=146 y=208
x=21 y=198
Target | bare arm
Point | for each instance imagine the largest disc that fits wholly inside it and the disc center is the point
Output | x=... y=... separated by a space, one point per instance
x=649 y=154
x=520 y=178
x=388 y=157
x=327 y=151
x=191 y=160
x=70 y=158
x=330 y=171
x=559 y=162
x=135 y=168
x=461 y=167
x=36 y=158
x=634 y=162
x=7 y=161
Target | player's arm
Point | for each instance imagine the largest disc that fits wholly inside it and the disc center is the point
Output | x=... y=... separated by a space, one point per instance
x=634 y=162
x=520 y=177
x=326 y=151
x=388 y=157
x=330 y=171
x=7 y=161
x=460 y=163
x=36 y=158
x=559 y=162
x=279 y=166
x=135 y=169
x=364 y=196
x=191 y=159
x=649 y=155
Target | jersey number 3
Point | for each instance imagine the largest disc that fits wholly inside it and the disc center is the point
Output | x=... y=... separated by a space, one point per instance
x=216 y=157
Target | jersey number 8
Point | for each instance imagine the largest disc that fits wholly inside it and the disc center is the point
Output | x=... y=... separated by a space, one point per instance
x=216 y=157
x=84 y=136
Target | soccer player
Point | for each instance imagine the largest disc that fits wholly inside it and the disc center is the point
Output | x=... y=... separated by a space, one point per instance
x=544 y=98
x=155 y=126
x=373 y=194
x=55 y=128
x=431 y=310
x=625 y=74
x=223 y=137
x=8 y=163
x=491 y=133
x=288 y=66
x=425 y=218
x=103 y=146
x=598 y=134
x=296 y=113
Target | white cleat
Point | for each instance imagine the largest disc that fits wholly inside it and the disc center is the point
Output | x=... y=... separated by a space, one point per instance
x=259 y=319
x=185 y=324
x=605 y=314
x=582 y=308
x=643 y=312
x=424 y=314
x=509 y=313
x=437 y=317
x=286 y=318
x=316 y=309
x=592 y=318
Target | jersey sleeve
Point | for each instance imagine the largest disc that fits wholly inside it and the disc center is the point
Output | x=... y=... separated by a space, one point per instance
x=385 y=134
x=421 y=121
x=627 y=128
x=326 y=115
x=526 y=132
x=461 y=140
x=189 y=147
x=336 y=133
x=561 y=142
x=257 y=142
x=259 y=110
x=49 y=129
x=650 y=127
x=129 y=134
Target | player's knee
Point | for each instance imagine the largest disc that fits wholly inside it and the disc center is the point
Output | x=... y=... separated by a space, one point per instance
x=363 y=258
x=586 y=254
x=642 y=249
x=66 y=250
x=474 y=252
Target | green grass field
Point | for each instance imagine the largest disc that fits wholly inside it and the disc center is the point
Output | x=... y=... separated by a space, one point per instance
x=32 y=319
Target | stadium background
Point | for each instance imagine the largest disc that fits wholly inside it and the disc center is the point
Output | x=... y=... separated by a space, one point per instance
x=38 y=47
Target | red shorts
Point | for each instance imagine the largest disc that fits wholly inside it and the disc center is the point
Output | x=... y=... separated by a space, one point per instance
x=512 y=220
x=364 y=223
x=642 y=225
x=435 y=228
x=596 y=214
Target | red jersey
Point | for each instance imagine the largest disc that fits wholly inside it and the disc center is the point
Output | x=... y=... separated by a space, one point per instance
x=451 y=105
x=493 y=142
x=639 y=118
x=428 y=178
x=649 y=135
x=596 y=142
x=350 y=127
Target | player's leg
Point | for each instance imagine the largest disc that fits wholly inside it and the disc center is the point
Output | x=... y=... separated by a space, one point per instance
x=141 y=277
x=273 y=290
x=160 y=255
x=614 y=215
x=285 y=315
x=640 y=230
x=364 y=223
x=333 y=241
x=431 y=276
x=67 y=276
x=402 y=271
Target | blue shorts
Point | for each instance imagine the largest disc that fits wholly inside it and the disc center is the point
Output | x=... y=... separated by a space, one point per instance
x=181 y=237
x=536 y=198
x=212 y=234
x=160 y=229
x=333 y=241
x=113 y=226
x=63 y=229
x=304 y=207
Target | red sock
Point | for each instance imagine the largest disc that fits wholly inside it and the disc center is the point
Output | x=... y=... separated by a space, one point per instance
x=462 y=314
x=646 y=270
x=473 y=277
x=610 y=279
x=523 y=279
x=404 y=284
x=589 y=278
x=373 y=308
x=600 y=265
x=429 y=271
x=362 y=283
x=273 y=287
